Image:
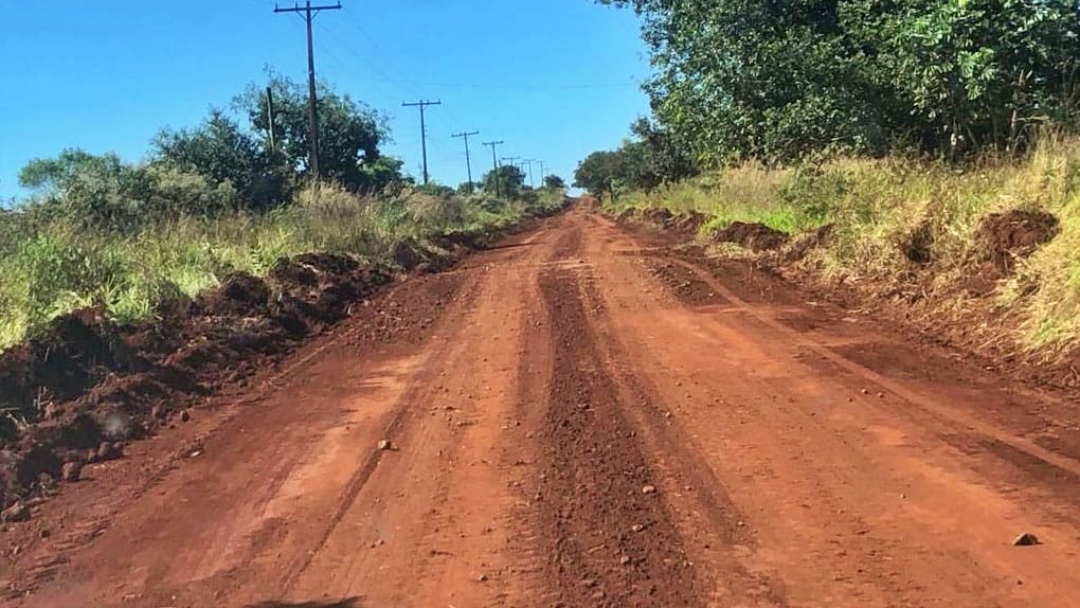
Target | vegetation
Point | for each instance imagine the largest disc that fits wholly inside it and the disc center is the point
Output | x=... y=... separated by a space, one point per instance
x=645 y=162
x=898 y=125
x=508 y=181
x=218 y=199
x=875 y=207
x=780 y=81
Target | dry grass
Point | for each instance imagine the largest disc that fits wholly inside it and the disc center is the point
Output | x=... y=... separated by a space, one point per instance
x=876 y=205
x=51 y=269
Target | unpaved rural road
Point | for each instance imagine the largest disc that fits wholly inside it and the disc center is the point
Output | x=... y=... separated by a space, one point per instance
x=584 y=417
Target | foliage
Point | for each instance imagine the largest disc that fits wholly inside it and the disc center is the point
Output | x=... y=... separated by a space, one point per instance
x=55 y=267
x=103 y=193
x=436 y=189
x=601 y=173
x=508 y=181
x=649 y=159
x=740 y=79
x=350 y=133
x=381 y=173
x=224 y=153
x=554 y=182
x=874 y=205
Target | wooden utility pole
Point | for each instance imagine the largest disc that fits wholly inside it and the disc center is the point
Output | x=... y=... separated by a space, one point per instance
x=542 y=176
x=423 y=128
x=495 y=162
x=509 y=161
x=270 y=118
x=529 y=162
x=308 y=13
x=468 y=160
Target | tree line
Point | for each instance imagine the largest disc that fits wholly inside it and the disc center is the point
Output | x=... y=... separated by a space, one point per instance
x=790 y=80
x=237 y=160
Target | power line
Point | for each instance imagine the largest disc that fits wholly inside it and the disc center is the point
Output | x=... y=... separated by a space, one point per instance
x=495 y=162
x=510 y=160
x=423 y=128
x=308 y=13
x=530 y=162
x=468 y=160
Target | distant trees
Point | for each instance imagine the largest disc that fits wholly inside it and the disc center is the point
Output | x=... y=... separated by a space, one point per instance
x=103 y=192
x=222 y=164
x=601 y=172
x=554 y=182
x=350 y=132
x=789 y=79
x=223 y=152
x=508 y=181
x=648 y=159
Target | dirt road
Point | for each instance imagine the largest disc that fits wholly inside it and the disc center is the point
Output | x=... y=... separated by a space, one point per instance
x=584 y=417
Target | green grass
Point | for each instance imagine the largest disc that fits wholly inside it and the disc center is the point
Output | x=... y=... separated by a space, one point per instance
x=875 y=205
x=51 y=268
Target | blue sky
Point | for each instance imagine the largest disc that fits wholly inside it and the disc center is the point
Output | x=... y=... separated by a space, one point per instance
x=555 y=79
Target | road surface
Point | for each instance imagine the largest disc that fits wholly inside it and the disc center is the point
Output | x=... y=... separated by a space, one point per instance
x=586 y=417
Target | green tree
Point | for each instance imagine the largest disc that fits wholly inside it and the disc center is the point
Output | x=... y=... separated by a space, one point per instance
x=382 y=172
x=601 y=173
x=104 y=193
x=85 y=187
x=788 y=79
x=223 y=152
x=508 y=182
x=350 y=133
x=554 y=182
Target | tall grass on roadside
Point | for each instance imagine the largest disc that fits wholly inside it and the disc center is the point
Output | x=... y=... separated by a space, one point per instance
x=52 y=268
x=877 y=205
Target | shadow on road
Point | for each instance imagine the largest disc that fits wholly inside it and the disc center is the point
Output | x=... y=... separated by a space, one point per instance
x=346 y=603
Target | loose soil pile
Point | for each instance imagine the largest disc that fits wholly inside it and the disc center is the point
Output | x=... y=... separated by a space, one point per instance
x=756 y=237
x=1004 y=237
x=685 y=223
x=79 y=391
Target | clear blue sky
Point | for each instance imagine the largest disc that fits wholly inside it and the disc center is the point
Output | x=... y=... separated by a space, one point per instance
x=555 y=79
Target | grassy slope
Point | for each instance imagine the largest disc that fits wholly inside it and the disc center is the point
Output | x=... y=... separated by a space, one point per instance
x=874 y=205
x=48 y=271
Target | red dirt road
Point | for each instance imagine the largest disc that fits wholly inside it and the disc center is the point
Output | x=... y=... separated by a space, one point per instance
x=584 y=417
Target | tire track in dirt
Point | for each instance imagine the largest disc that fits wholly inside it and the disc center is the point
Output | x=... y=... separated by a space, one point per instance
x=954 y=416
x=851 y=498
x=699 y=500
x=450 y=504
x=611 y=541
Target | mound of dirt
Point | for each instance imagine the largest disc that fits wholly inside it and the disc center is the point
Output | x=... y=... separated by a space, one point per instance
x=689 y=223
x=660 y=216
x=802 y=245
x=74 y=353
x=406 y=255
x=756 y=237
x=463 y=241
x=1003 y=237
x=75 y=393
x=685 y=223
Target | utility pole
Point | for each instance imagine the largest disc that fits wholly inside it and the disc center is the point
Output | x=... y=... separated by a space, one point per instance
x=270 y=117
x=542 y=176
x=423 y=128
x=529 y=162
x=468 y=160
x=308 y=13
x=495 y=162
x=510 y=161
